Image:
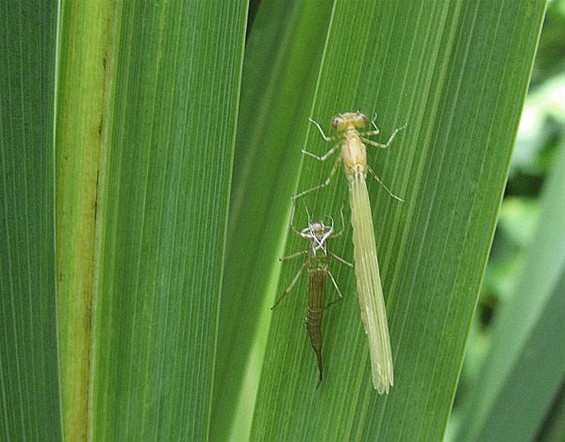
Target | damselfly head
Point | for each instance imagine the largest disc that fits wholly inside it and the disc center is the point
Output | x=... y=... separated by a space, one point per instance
x=342 y=121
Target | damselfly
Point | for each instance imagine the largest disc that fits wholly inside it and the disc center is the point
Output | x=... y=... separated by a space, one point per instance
x=316 y=263
x=354 y=157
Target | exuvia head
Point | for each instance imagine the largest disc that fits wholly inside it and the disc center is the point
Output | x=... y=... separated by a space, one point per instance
x=317 y=232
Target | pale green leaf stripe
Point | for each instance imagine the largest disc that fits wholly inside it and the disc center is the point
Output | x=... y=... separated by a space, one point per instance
x=457 y=74
x=81 y=82
x=524 y=370
x=29 y=397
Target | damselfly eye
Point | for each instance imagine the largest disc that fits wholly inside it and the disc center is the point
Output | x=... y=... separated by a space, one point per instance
x=360 y=119
x=336 y=121
x=364 y=118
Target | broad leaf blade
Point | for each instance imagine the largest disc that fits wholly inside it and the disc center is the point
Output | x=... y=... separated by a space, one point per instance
x=457 y=75
x=171 y=74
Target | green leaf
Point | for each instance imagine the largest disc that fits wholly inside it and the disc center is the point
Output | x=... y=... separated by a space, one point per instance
x=525 y=367
x=279 y=76
x=146 y=126
x=29 y=398
x=457 y=74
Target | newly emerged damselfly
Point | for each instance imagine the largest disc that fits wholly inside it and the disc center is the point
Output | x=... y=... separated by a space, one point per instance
x=317 y=233
x=353 y=147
